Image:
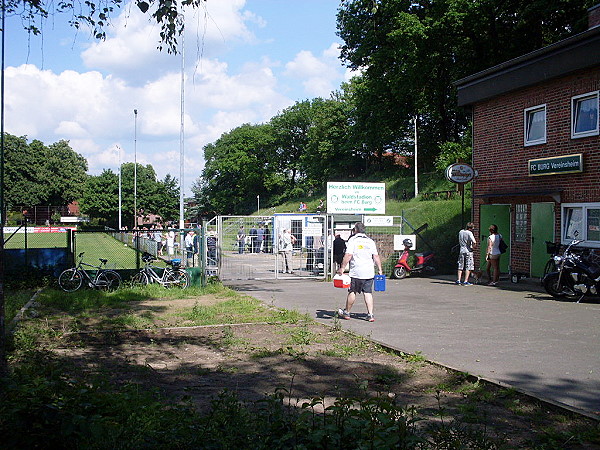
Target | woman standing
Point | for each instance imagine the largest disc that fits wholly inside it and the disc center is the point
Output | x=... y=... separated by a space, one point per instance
x=492 y=255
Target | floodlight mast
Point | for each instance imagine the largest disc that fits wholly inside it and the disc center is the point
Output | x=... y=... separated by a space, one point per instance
x=120 y=189
x=135 y=169
x=181 y=133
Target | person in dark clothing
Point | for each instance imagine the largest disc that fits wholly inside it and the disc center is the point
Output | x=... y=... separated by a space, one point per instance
x=253 y=236
x=339 y=249
x=267 y=239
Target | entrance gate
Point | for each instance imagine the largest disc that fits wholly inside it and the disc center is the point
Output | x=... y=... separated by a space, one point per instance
x=248 y=247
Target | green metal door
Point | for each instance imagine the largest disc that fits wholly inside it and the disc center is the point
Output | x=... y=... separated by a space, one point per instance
x=499 y=215
x=542 y=230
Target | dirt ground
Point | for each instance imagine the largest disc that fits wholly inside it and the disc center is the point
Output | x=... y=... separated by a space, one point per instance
x=307 y=360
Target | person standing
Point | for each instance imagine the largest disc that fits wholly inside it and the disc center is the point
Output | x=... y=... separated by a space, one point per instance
x=466 y=241
x=157 y=236
x=492 y=255
x=286 y=247
x=171 y=243
x=361 y=253
x=267 y=239
x=339 y=250
x=253 y=237
x=241 y=238
x=189 y=247
x=260 y=237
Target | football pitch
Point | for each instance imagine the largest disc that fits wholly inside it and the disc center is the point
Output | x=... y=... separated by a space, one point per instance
x=96 y=245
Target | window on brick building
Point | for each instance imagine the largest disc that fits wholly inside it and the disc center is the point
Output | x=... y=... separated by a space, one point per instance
x=584 y=115
x=581 y=221
x=535 y=125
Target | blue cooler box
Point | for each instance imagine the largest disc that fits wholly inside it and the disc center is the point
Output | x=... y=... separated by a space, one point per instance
x=380 y=283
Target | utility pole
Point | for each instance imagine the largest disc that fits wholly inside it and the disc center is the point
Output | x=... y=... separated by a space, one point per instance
x=416 y=171
x=135 y=169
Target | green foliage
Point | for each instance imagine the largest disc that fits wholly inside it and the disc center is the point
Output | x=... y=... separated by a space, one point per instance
x=450 y=153
x=40 y=407
x=410 y=53
x=139 y=186
x=40 y=175
x=14 y=300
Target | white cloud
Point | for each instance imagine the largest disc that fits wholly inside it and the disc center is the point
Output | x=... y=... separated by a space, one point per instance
x=93 y=108
x=319 y=75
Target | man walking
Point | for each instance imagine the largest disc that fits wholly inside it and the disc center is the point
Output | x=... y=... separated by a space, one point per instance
x=466 y=241
x=361 y=253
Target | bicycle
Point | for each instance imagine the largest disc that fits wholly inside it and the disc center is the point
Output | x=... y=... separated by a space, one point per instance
x=105 y=279
x=174 y=276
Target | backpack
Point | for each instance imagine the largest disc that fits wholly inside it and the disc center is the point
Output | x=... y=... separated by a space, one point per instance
x=502 y=246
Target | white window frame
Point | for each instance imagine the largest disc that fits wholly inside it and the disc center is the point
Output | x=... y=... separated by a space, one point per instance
x=584 y=225
x=574 y=101
x=526 y=113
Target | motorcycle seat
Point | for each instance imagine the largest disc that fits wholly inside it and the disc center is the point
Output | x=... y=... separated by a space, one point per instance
x=424 y=254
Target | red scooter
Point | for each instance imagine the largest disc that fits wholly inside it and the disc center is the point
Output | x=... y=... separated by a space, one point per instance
x=423 y=262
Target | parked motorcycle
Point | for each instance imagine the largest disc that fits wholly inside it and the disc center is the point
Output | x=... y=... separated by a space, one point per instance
x=423 y=264
x=576 y=276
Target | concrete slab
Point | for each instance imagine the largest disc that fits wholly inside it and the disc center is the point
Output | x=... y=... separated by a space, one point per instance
x=512 y=334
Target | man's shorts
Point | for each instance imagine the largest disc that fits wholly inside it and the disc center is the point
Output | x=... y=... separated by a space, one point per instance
x=465 y=261
x=358 y=285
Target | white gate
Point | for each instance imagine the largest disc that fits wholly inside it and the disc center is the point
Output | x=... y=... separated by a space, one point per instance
x=248 y=247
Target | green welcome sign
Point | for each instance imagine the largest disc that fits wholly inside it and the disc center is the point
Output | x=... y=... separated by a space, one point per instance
x=556 y=165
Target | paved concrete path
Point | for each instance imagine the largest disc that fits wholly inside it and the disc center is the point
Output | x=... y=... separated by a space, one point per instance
x=513 y=334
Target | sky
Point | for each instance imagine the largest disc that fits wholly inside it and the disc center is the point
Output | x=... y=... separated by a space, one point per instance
x=245 y=61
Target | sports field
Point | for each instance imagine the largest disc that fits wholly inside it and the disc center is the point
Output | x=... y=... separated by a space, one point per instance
x=95 y=245
x=36 y=240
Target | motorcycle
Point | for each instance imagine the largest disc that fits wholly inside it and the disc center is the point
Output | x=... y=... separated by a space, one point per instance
x=576 y=276
x=423 y=262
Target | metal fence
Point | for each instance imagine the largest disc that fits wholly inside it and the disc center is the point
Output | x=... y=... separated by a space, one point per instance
x=250 y=247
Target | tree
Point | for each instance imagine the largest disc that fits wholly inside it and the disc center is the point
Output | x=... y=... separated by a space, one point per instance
x=64 y=173
x=410 y=53
x=100 y=199
x=98 y=15
x=39 y=175
x=240 y=165
x=22 y=172
x=332 y=152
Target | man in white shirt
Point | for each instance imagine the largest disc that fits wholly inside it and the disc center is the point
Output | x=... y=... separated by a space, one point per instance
x=361 y=253
x=466 y=241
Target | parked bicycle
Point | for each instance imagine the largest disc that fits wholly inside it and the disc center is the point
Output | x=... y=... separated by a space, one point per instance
x=173 y=276
x=104 y=279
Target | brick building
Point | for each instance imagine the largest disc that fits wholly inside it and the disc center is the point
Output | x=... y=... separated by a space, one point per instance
x=536 y=148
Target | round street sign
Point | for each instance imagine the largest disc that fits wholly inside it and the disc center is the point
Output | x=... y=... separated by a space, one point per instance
x=460 y=173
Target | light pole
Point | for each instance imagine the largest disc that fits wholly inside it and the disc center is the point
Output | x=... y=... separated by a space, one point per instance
x=120 y=202
x=135 y=169
x=257 y=203
x=416 y=172
x=181 y=133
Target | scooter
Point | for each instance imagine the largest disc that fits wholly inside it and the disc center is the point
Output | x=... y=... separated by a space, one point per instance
x=575 y=278
x=423 y=264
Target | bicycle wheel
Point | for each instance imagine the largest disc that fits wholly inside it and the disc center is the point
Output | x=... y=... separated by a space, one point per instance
x=70 y=280
x=140 y=279
x=550 y=267
x=109 y=280
x=178 y=278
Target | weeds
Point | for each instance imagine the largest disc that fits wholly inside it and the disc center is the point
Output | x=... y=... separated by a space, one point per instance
x=44 y=408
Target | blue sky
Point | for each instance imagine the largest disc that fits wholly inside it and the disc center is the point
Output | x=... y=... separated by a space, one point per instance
x=245 y=60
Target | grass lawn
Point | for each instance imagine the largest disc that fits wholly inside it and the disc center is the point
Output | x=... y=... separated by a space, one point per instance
x=98 y=245
x=36 y=240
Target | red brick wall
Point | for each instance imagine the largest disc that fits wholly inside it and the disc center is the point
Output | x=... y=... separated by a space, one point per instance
x=501 y=158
